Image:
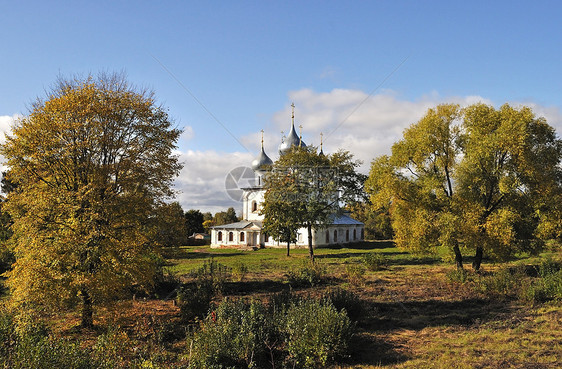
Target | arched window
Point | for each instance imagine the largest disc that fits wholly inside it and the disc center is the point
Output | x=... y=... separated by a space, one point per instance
x=354 y=234
x=219 y=236
x=347 y=235
x=230 y=236
x=254 y=206
x=335 y=236
x=327 y=236
x=241 y=236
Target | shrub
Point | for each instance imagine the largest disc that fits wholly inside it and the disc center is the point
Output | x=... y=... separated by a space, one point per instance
x=544 y=289
x=316 y=333
x=308 y=275
x=347 y=300
x=212 y=273
x=458 y=275
x=355 y=274
x=375 y=261
x=27 y=344
x=233 y=336
x=239 y=271
x=505 y=281
x=195 y=300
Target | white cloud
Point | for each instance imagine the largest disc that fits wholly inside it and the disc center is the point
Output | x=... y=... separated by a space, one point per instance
x=6 y=123
x=201 y=183
x=352 y=120
x=365 y=125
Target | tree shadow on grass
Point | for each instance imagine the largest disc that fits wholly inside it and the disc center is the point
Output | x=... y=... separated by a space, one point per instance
x=417 y=315
x=370 y=350
x=177 y=253
x=252 y=287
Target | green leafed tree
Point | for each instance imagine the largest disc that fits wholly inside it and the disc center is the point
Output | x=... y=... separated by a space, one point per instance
x=473 y=178
x=91 y=163
x=170 y=225
x=306 y=189
x=194 y=221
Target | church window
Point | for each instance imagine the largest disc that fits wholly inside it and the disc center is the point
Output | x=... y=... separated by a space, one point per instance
x=254 y=206
x=354 y=234
x=300 y=237
x=335 y=236
x=327 y=236
x=241 y=236
x=230 y=236
x=219 y=237
x=347 y=235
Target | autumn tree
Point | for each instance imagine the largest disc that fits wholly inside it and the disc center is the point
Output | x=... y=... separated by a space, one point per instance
x=472 y=178
x=281 y=217
x=170 y=225
x=194 y=222
x=307 y=188
x=91 y=162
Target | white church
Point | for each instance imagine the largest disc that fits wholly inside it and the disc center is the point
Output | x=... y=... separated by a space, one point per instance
x=247 y=233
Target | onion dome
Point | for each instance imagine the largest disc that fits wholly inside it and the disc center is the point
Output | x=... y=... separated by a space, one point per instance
x=292 y=139
x=262 y=162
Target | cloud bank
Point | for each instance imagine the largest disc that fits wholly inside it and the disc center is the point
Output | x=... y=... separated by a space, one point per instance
x=352 y=120
x=365 y=125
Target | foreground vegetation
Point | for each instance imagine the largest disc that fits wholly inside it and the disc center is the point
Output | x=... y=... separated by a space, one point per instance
x=384 y=308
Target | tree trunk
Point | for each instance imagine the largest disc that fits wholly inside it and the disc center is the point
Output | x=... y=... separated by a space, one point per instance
x=478 y=258
x=288 y=247
x=310 y=249
x=87 y=311
x=458 y=256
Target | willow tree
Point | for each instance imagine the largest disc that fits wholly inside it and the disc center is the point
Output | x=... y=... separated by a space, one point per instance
x=91 y=162
x=477 y=178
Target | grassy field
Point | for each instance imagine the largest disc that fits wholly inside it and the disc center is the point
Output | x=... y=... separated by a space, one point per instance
x=414 y=315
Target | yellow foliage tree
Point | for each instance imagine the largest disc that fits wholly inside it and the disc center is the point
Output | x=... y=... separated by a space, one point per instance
x=91 y=162
x=485 y=179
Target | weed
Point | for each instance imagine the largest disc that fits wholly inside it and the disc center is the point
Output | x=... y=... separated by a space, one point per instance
x=308 y=275
x=375 y=261
x=458 y=275
x=239 y=271
x=355 y=274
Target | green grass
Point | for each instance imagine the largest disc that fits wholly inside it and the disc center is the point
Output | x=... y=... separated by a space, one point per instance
x=273 y=262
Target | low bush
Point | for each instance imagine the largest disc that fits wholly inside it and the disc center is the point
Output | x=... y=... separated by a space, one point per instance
x=289 y=332
x=307 y=275
x=316 y=333
x=375 y=261
x=347 y=300
x=235 y=335
x=195 y=298
x=239 y=271
x=458 y=275
x=212 y=273
x=26 y=345
x=355 y=274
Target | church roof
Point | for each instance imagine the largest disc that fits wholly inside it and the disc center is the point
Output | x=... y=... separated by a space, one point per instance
x=292 y=138
x=243 y=224
x=262 y=161
x=345 y=219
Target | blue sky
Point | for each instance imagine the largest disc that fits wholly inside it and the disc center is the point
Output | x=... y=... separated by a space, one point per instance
x=246 y=61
